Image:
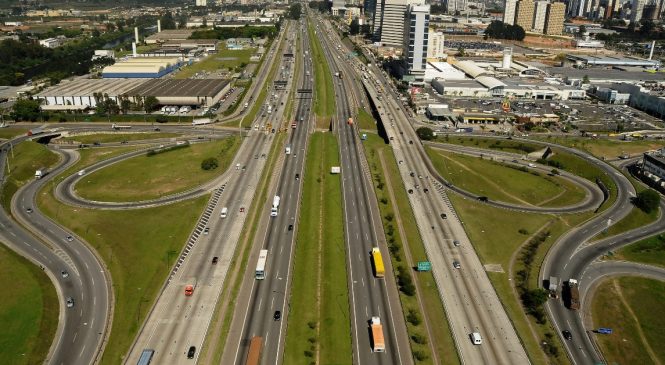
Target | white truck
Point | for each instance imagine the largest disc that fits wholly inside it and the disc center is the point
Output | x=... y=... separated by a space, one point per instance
x=275 y=206
x=41 y=173
x=288 y=149
x=119 y=127
x=201 y=121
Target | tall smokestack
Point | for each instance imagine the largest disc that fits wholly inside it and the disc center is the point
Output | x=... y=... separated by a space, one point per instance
x=653 y=45
x=134 y=49
x=507 y=57
x=159 y=25
x=136 y=34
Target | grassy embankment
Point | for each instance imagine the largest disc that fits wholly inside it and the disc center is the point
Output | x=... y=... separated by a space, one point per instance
x=224 y=59
x=365 y=121
x=112 y=137
x=8 y=133
x=483 y=176
x=429 y=318
x=30 y=314
x=649 y=251
x=123 y=238
x=319 y=322
x=324 y=94
x=632 y=307
x=604 y=147
x=502 y=248
x=149 y=177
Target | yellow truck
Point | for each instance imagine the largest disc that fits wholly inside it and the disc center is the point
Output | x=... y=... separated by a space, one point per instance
x=379 y=270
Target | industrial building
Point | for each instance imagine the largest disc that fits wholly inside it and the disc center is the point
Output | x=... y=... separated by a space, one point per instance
x=83 y=93
x=654 y=164
x=605 y=61
x=80 y=93
x=169 y=35
x=182 y=92
x=140 y=67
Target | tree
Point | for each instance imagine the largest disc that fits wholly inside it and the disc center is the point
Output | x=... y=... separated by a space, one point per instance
x=461 y=51
x=585 y=79
x=210 y=163
x=294 y=11
x=647 y=200
x=150 y=104
x=167 y=21
x=354 y=27
x=581 y=30
x=424 y=133
x=26 y=109
x=647 y=27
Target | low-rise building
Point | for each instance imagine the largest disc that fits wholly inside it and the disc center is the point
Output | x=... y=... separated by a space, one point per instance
x=654 y=164
x=53 y=42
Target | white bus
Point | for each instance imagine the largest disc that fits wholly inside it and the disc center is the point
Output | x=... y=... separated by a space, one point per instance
x=261 y=265
x=225 y=211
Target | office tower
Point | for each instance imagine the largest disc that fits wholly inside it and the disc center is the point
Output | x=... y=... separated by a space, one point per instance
x=524 y=14
x=636 y=11
x=435 y=45
x=457 y=5
x=509 y=11
x=378 y=19
x=392 y=22
x=554 y=17
x=539 y=16
x=416 y=29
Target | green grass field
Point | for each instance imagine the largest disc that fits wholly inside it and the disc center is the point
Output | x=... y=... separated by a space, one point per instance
x=224 y=59
x=26 y=158
x=117 y=137
x=29 y=316
x=123 y=239
x=608 y=148
x=632 y=307
x=500 y=182
x=649 y=251
x=148 y=177
x=365 y=120
x=319 y=318
x=7 y=133
x=635 y=219
x=442 y=340
x=324 y=97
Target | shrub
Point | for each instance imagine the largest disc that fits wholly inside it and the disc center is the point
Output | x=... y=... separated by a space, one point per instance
x=419 y=339
x=420 y=355
x=210 y=163
x=523 y=231
x=413 y=317
x=647 y=200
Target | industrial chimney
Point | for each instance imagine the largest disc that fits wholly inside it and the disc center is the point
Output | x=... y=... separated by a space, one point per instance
x=136 y=35
x=507 y=57
x=653 y=46
x=134 y=49
x=159 y=25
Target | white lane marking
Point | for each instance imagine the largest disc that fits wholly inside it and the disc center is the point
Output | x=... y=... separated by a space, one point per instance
x=82 y=350
x=260 y=304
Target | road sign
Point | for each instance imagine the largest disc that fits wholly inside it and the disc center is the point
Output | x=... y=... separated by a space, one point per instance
x=424 y=266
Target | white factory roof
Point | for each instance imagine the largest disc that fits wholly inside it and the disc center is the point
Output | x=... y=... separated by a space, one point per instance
x=442 y=70
x=490 y=82
x=142 y=64
x=470 y=68
x=83 y=87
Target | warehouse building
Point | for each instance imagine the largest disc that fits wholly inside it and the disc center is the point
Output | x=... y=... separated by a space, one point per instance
x=80 y=93
x=140 y=67
x=182 y=92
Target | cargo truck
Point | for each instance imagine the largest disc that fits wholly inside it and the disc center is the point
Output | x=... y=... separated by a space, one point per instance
x=288 y=149
x=573 y=295
x=118 y=126
x=275 y=206
x=379 y=270
x=378 y=345
x=350 y=121
x=254 y=353
x=41 y=173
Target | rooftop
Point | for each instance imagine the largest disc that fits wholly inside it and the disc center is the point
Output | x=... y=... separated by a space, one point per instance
x=83 y=87
x=189 y=87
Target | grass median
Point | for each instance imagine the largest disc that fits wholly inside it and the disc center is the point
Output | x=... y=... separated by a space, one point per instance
x=116 y=137
x=29 y=315
x=324 y=97
x=430 y=317
x=504 y=182
x=319 y=323
x=632 y=307
x=149 y=177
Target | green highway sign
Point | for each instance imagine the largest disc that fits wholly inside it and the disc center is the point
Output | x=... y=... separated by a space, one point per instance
x=424 y=266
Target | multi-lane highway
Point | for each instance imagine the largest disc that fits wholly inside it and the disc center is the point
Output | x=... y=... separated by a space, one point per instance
x=369 y=296
x=83 y=327
x=179 y=321
x=255 y=309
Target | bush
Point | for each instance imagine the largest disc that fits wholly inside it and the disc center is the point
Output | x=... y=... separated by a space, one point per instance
x=209 y=164
x=161 y=119
x=424 y=133
x=311 y=324
x=523 y=231
x=647 y=200
x=419 y=339
x=308 y=353
x=413 y=317
x=420 y=355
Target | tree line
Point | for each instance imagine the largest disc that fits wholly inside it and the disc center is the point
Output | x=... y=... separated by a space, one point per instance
x=247 y=31
x=500 y=30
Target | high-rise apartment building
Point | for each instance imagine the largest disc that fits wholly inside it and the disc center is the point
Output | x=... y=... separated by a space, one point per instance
x=416 y=29
x=509 y=11
x=539 y=16
x=524 y=14
x=457 y=5
x=636 y=11
x=392 y=22
x=554 y=17
x=378 y=19
x=435 y=45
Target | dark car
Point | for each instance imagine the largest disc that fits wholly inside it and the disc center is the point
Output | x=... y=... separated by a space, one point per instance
x=444 y=216
x=191 y=352
x=297 y=176
x=410 y=142
x=29 y=210
x=482 y=198
x=97 y=144
x=215 y=259
x=277 y=316
x=410 y=191
x=567 y=335
x=290 y=227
